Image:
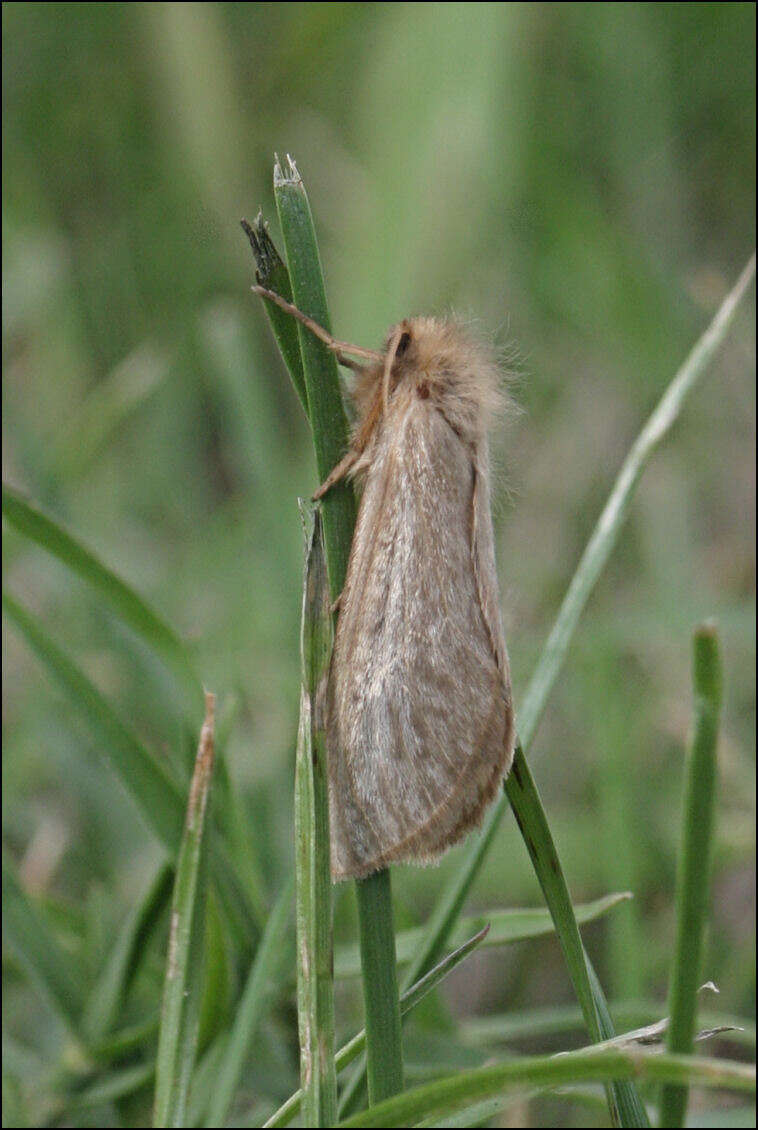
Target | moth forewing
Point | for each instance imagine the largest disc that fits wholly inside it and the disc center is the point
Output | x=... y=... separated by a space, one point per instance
x=419 y=715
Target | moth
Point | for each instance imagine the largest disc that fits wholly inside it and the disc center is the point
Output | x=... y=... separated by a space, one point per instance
x=420 y=725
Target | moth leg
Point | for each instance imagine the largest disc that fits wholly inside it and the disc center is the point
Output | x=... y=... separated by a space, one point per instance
x=340 y=348
x=335 y=605
x=336 y=475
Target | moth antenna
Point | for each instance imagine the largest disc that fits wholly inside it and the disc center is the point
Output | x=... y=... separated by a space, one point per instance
x=337 y=347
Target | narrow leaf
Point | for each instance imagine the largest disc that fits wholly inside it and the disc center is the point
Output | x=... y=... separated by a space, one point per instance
x=180 y=1014
x=273 y=274
x=353 y=1048
x=112 y=985
x=624 y=1102
x=505 y=927
x=444 y=1096
x=315 y=947
x=693 y=874
x=326 y=410
x=30 y=938
x=145 y=779
x=263 y=980
x=30 y=521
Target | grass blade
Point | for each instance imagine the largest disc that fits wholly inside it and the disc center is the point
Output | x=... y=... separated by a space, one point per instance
x=150 y=786
x=444 y=1096
x=110 y=988
x=155 y=793
x=384 y=1057
x=27 y=933
x=606 y=531
x=273 y=274
x=353 y=1048
x=180 y=1014
x=505 y=927
x=125 y=1041
x=330 y=434
x=111 y=1087
x=30 y=521
x=326 y=410
x=261 y=982
x=315 y=945
x=625 y=1104
x=693 y=876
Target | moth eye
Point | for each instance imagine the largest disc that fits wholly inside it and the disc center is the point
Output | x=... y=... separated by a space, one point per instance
x=402 y=345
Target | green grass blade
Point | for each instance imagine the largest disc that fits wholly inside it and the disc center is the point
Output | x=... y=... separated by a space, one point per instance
x=32 y=941
x=145 y=779
x=180 y=1013
x=272 y=273
x=384 y=1058
x=505 y=927
x=330 y=435
x=445 y=1096
x=30 y=521
x=624 y=1102
x=125 y=1041
x=606 y=531
x=112 y=1086
x=326 y=410
x=262 y=981
x=693 y=876
x=315 y=945
x=150 y=786
x=353 y=1048
x=110 y=988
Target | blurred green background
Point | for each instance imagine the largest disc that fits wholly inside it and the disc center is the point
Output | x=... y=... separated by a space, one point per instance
x=580 y=178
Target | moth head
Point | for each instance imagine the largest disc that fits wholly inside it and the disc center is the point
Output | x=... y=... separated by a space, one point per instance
x=438 y=360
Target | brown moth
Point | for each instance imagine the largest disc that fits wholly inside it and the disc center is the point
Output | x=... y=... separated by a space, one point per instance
x=420 y=726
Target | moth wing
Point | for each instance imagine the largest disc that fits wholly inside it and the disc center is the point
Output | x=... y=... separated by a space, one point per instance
x=419 y=713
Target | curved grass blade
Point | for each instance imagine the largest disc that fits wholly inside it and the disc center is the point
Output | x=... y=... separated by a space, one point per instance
x=693 y=876
x=180 y=1013
x=353 y=1048
x=145 y=779
x=30 y=521
x=262 y=981
x=505 y=927
x=606 y=531
x=445 y=1096
x=28 y=935
x=124 y=1041
x=112 y=1086
x=153 y=790
x=112 y=985
x=315 y=946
